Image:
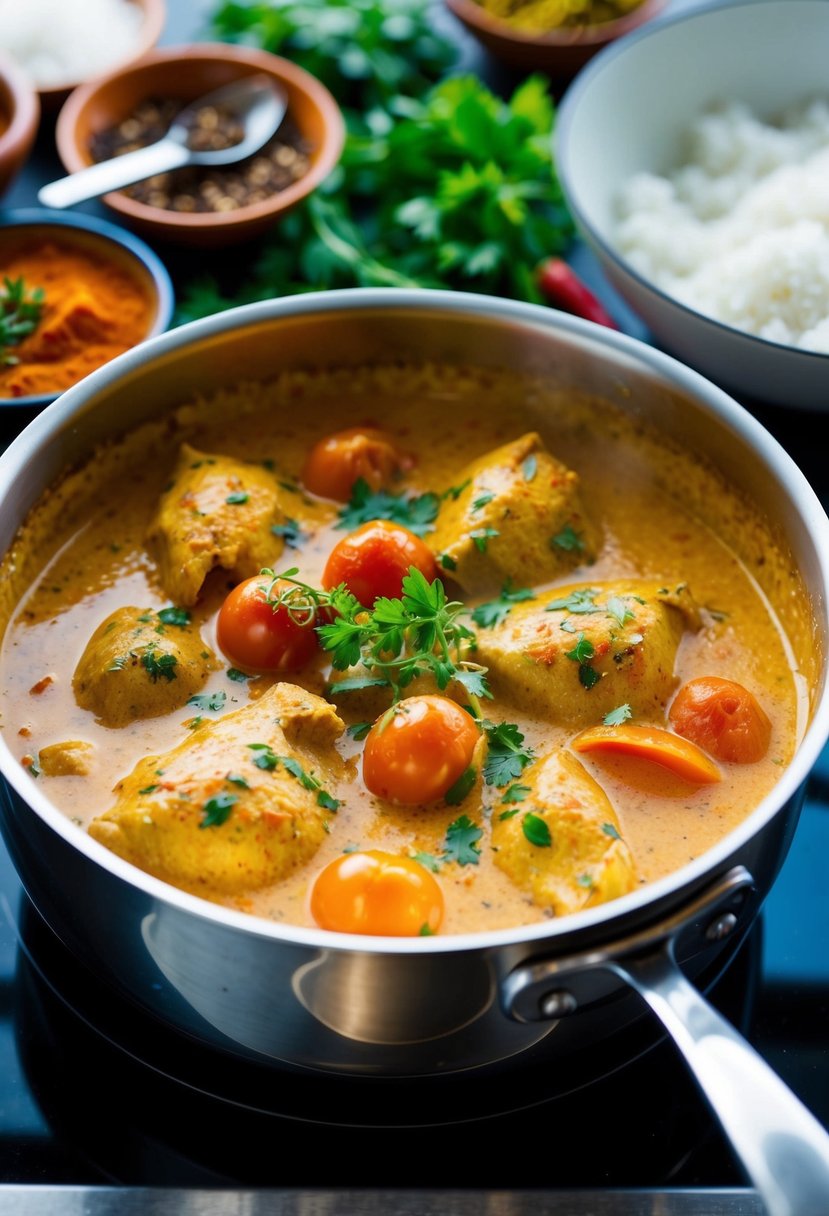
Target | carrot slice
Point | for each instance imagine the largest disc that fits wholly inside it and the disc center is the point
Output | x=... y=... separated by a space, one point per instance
x=650 y=743
x=723 y=717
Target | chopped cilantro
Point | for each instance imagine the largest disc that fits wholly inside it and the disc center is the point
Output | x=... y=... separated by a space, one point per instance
x=529 y=467
x=516 y=793
x=582 y=601
x=461 y=842
x=482 y=537
x=617 y=716
x=482 y=501
x=291 y=533
x=536 y=830
x=217 y=810
x=148 y=789
x=237 y=498
x=327 y=801
x=588 y=676
x=618 y=610
x=194 y=723
x=494 y=611
x=236 y=779
x=233 y=673
x=611 y=831
x=585 y=880
x=417 y=513
x=457 y=792
x=583 y=650
x=425 y=931
x=568 y=539
x=159 y=666
x=454 y=492
x=509 y=814
x=357 y=684
x=174 y=616
x=448 y=562
x=264 y=757
x=359 y=730
x=427 y=860
x=211 y=702
x=506 y=756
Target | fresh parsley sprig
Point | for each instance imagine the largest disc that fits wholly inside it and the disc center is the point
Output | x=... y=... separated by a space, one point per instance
x=20 y=313
x=396 y=641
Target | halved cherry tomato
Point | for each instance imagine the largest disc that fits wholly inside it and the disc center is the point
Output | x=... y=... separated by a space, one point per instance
x=336 y=462
x=684 y=759
x=374 y=560
x=417 y=752
x=723 y=717
x=376 y=892
x=254 y=635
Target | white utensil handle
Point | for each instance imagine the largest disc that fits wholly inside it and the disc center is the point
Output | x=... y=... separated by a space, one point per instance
x=114 y=174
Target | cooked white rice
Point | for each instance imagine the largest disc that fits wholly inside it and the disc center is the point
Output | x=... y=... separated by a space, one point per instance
x=741 y=231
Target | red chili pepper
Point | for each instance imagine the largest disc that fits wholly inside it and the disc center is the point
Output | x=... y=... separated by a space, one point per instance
x=563 y=288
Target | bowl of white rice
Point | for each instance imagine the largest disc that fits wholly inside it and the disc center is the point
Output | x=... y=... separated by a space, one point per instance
x=694 y=156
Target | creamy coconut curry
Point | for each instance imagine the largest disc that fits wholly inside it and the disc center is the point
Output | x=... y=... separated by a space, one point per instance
x=403 y=651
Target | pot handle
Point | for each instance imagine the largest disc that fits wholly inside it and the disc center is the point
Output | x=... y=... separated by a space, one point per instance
x=783 y=1148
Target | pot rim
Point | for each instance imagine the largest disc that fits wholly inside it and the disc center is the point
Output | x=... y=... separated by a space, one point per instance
x=782 y=467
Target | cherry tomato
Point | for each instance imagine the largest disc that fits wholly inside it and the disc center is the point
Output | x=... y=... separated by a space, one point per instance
x=723 y=717
x=336 y=462
x=374 y=560
x=254 y=635
x=379 y=893
x=418 y=751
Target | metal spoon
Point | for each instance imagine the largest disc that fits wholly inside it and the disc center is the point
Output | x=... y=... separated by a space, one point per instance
x=257 y=102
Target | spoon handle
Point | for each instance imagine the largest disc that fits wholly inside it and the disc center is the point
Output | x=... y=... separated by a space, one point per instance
x=108 y=175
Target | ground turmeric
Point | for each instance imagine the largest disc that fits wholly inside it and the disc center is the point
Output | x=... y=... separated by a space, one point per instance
x=90 y=310
x=539 y=16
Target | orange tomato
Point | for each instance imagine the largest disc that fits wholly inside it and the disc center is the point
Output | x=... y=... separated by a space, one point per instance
x=418 y=751
x=336 y=462
x=378 y=893
x=682 y=758
x=254 y=635
x=723 y=717
x=374 y=560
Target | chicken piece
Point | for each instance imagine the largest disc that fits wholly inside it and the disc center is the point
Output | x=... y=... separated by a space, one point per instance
x=563 y=844
x=136 y=666
x=216 y=512
x=518 y=517
x=238 y=804
x=583 y=650
x=70 y=759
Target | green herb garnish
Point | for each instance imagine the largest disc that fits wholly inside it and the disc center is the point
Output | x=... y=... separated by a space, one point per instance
x=159 y=666
x=212 y=702
x=536 y=830
x=217 y=810
x=417 y=513
x=507 y=757
x=461 y=842
x=494 y=611
x=20 y=313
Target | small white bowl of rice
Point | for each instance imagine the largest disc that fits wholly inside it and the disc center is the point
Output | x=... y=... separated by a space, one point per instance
x=694 y=156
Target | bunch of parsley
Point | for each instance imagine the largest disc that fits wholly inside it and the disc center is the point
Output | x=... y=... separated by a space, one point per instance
x=368 y=52
x=460 y=193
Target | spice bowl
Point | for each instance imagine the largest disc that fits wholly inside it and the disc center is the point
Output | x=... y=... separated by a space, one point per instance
x=560 y=52
x=19 y=115
x=133 y=28
x=203 y=207
x=86 y=291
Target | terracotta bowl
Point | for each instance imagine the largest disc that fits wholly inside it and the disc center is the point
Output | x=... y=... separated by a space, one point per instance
x=19 y=116
x=187 y=73
x=560 y=53
x=155 y=15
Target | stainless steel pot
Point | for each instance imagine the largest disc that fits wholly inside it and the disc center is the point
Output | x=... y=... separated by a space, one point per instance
x=398 y=1007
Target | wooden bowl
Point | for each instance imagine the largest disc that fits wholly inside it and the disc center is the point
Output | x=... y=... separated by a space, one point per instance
x=187 y=73
x=19 y=117
x=155 y=15
x=559 y=53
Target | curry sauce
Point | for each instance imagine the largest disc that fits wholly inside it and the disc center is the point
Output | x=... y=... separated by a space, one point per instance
x=659 y=517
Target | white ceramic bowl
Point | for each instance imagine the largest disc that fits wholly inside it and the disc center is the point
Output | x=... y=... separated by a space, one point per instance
x=625 y=113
